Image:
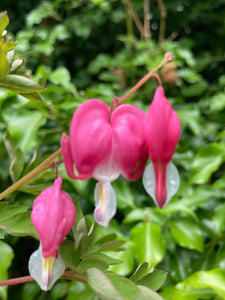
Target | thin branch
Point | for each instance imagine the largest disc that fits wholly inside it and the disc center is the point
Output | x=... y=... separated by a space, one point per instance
x=135 y=17
x=118 y=101
x=147 y=32
x=163 y=14
x=46 y=164
x=67 y=275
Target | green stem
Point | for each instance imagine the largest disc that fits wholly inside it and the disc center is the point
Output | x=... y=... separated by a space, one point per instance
x=46 y=164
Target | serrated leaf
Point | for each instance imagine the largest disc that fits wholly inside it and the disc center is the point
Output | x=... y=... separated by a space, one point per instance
x=207 y=161
x=16 y=220
x=153 y=280
x=4 y=21
x=187 y=234
x=21 y=84
x=148 y=243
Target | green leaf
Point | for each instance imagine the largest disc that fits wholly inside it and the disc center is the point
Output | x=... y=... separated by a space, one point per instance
x=106 y=258
x=102 y=285
x=16 y=157
x=10 y=57
x=16 y=64
x=94 y=263
x=217 y=102
x=125 y=286
x=32 y=96
x=140 y=272
x=219 y=218
x=153 y=280
x=4 y=66
x=6 y=257
x=67 y=251
x=187 y=234
x=23 y=126
x=148 y=243
x=207 y=161
x=21 y=84
x=4 y=21
x=81 y=236
x=213 y=279
x=147 y=294
x=16 y=220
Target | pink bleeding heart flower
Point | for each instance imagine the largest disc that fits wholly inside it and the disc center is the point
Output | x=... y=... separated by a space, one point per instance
x=53 y=216
x=161 y=130
x=104 y=146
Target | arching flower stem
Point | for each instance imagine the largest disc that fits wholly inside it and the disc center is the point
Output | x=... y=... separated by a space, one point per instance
x=118 y=101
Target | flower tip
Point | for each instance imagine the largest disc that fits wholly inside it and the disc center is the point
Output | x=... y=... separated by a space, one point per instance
x=169 y=57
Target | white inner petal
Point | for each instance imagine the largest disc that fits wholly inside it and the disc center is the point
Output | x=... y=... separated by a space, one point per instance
x=172 y=181
x=107 y=172
x=105 y=203
x=45 y=271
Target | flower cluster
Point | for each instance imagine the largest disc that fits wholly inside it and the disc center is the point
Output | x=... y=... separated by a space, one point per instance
x=104 y=143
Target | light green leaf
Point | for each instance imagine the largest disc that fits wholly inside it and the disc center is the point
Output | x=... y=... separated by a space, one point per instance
x=16 y=157
x=207 y=161
x=21 y=84
x=125 y=286
x=187 y=234
x=153 y=280
x=102 y=285
x=219 y=218
x=147 y=294
x=23 y=126
x=213 y=279
x=16 y=220
x=6 y=257
x=4 y=21
x=217 y=102
x=140 y=272
x=148 y=243
x=4 y=66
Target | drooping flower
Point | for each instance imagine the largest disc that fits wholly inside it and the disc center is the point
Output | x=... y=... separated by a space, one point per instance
x=161 y=130
x=53 y=216
x=104 y=146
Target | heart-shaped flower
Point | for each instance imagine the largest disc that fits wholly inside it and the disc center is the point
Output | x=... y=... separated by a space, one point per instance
x=104 y=146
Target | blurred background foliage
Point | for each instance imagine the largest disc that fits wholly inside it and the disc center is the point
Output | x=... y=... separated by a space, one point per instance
x=98 y=49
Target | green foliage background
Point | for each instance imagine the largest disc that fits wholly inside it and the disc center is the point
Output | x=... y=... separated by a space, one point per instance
x=93 y=49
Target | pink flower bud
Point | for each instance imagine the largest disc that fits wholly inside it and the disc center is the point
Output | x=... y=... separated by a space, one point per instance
x=161 y=130
x=53 y=216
